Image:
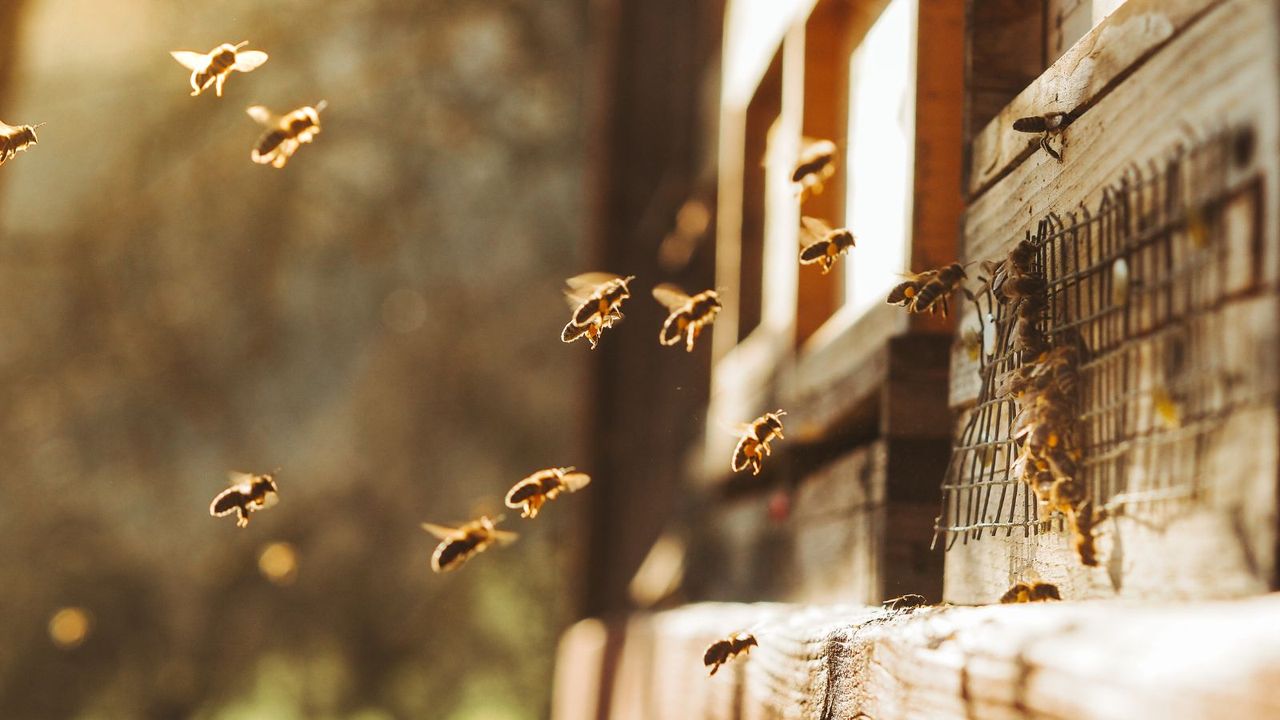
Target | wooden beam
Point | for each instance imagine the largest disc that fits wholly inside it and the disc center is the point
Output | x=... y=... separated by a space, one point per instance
x=1103 y=661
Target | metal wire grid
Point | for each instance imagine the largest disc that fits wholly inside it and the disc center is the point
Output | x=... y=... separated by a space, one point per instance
x=1145 y=286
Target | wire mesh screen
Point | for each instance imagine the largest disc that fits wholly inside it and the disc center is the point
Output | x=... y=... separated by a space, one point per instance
x=1152 y=286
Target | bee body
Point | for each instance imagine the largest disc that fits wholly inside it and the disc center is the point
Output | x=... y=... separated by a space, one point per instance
x=596 y=299
x=722 y=651
x=15 y=139
x=928 y=291
x=247 y=494
x=531 y=493
x=1030 y=592
x=688 y=316
x=1046 y=125
x=825 y=245
x=460 y=544
x=215 y=66
x=753 y=447
x=284 y=135
x=815 y=165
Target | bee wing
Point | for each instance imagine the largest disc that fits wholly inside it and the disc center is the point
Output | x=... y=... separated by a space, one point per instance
x=235 y=478
x=249 y=60
x=440 y=531
x=270 y=499
x=589 y=281
x=504 y=537
x=6 y=129
x=670 y=296
x=193 y=61
x=575 y=481
x=575 y=298
x=816 y=227
x=261 y=114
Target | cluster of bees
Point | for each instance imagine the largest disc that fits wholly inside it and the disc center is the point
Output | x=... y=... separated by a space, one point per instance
x=1044 y=389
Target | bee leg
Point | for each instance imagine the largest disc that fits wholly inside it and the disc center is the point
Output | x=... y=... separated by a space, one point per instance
x=1048 y=147
x=195 y=87
x=218 y=83
x=242 y=517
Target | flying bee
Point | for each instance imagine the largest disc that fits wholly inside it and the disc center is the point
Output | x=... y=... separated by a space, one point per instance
x=822 y=245
x=754 y=445
x=16 y=139
x=816 y=165
x=928 y=291
x=596 y=299
x=248 y=493
x=1047 y=125
x=285 y=134
x=1030 y=592
x=531 y=493
x=722 y=651
x=591 y=331
x=689 y=315
x=213 y=67
x=905 y=292
x=460 y=544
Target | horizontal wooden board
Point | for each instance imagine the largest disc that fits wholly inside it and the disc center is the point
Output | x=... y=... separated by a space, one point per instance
x=1100 y=661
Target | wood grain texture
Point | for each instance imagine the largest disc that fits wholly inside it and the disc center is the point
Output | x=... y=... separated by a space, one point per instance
x=1080 y=77
x=1100 y=661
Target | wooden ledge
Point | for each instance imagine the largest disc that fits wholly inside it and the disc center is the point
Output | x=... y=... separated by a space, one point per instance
x=1045 y=660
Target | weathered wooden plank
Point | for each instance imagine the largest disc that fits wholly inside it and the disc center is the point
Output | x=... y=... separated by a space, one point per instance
x=1049 y=660
x=1005 y=53
x=1091 y=67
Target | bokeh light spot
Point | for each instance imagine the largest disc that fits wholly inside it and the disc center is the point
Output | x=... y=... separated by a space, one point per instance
x=69 y=627
x=278 y=562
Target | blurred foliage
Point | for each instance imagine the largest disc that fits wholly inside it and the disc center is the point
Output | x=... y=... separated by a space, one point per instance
x=379 y=319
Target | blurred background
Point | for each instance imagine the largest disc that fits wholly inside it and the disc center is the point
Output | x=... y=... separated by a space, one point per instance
x=378 y=320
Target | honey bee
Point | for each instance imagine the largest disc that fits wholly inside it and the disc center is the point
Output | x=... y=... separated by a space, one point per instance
x=531 y=493
x=722 y=651
x=213 y=67
x=460 y=544
x=824 y=245
x=1047 y=125
x=1166 y=408
x=596 y=299
x=754 y=445
x=248 y=493
x=816 y=165
x=15 y=139
x=591 y=331
x=1030 y=592
x=928 y=291
x=689 y=315
x=285 y=134
x=905 y=292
